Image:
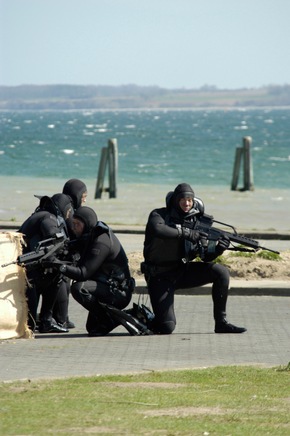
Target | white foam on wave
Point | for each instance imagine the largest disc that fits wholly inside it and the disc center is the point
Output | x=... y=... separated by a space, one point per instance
x=151 y=165
x=279 y=159
x=68 y=151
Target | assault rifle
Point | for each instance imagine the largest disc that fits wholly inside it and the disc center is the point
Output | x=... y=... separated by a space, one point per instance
x=204 y=224
x=43 y=251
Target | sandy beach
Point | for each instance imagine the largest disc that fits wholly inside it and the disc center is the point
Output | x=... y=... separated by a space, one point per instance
x=262 y=210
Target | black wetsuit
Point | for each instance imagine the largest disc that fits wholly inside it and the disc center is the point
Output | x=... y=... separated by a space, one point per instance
x=168 y=265
x=102 y=275
x=43 y=224
x=40 y=226
x=74 y=189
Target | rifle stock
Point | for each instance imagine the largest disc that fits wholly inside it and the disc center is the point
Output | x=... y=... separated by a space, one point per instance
x=204 y=224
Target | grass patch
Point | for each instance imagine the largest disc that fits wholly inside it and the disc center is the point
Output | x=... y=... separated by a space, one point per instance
x=214 y=401
x=268 y=255
x=262 y=254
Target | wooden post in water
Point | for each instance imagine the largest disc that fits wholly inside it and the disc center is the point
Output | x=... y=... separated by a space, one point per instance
x=109 y=157
x=248 y=170
x=101 y=172
x=237 y=165
x=113 y=167
x=245 y=154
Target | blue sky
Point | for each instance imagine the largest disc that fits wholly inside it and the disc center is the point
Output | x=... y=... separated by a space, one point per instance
x=168 y=43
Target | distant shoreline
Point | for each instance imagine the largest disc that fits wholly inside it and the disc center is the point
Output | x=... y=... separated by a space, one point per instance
x=154 y=109
x=129 y=97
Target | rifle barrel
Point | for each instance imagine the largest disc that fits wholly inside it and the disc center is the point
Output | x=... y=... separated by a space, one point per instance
x=9 y=263
x=269 y=249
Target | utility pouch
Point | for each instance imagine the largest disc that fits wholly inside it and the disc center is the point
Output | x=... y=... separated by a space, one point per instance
x=127 y=285
x=147 y=270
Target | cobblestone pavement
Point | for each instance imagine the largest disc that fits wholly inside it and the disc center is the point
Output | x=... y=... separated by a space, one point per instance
x=192 y=345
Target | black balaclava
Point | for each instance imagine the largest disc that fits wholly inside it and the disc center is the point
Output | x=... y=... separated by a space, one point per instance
x=88 y=216
x=182 y=190
x=75 y=188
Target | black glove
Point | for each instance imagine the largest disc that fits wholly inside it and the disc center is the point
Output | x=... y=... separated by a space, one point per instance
x=193 y=235
x=222 y=245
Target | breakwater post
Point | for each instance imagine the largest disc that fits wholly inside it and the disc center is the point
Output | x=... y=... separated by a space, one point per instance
x=109 y=158
x=243 y=154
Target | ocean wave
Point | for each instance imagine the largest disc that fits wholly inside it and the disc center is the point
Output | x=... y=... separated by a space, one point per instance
x=279 y=159
x=155 y=146
x=68 y=151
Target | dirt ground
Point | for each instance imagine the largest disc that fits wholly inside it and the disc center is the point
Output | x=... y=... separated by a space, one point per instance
x=240 y=267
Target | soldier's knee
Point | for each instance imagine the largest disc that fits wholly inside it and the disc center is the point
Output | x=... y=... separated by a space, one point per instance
x=165 y=328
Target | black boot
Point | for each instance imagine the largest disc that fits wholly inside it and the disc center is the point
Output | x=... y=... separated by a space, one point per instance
x=50 y=326
x=223 y=326
x=99 y=323
x=68 y=324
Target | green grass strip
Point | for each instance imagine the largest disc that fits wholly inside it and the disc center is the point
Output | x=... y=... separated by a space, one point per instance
x=232 y=400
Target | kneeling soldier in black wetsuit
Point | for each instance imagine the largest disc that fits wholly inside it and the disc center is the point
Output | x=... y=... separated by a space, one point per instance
x=101 y=275
x=170 y=245
x=46 y=222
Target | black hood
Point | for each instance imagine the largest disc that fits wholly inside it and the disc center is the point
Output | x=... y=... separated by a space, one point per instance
x=75 y=188
x=88 y=216
x=182 y=190
x=58 y=204
x=62 y=203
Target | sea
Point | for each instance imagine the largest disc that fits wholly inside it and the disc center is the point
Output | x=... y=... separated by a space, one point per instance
x=154 y=146
x=157 y=149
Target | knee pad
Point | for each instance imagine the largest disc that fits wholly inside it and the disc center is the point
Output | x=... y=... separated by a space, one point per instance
x=166 y=328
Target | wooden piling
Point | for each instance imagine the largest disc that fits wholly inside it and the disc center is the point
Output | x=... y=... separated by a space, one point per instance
x=237 y=165
x=109 y=158
x=113 y=167
x=248 y=170
x=243 y=153
x=101 y=173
